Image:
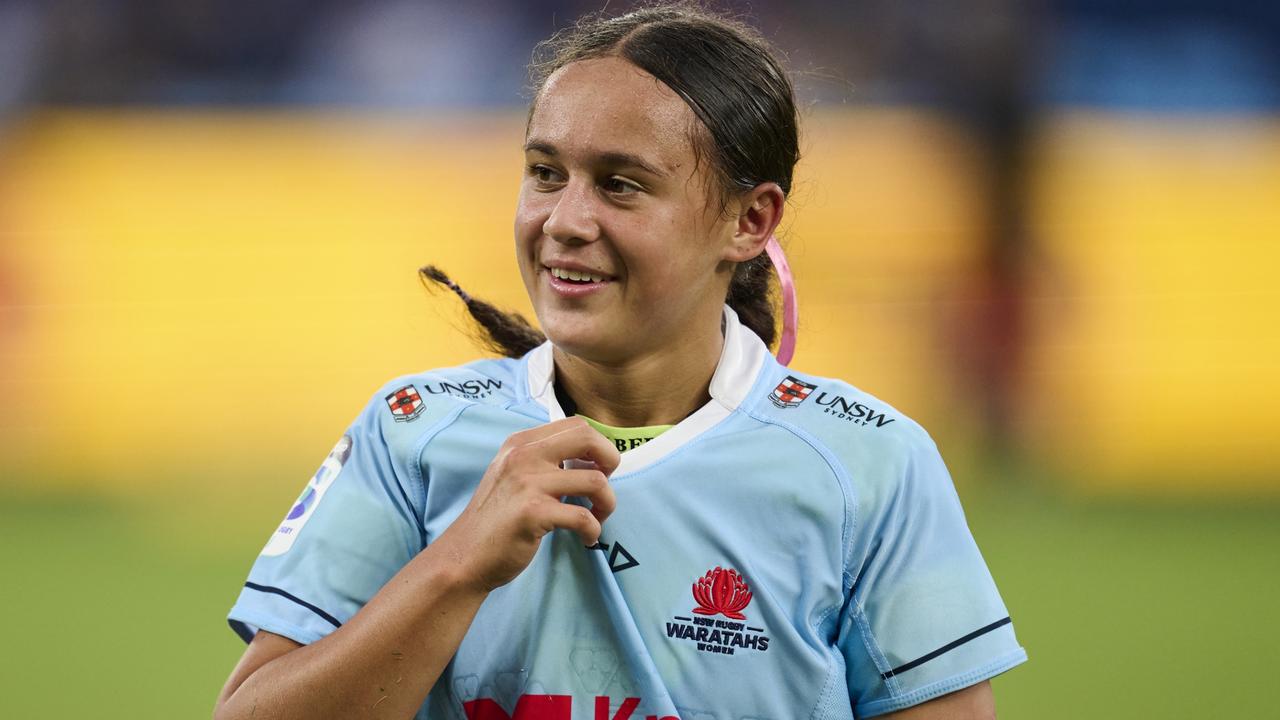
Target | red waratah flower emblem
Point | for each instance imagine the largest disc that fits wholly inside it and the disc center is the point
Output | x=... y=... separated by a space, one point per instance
x=721 y=591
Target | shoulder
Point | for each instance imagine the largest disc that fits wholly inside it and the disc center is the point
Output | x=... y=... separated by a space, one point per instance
x=871 y=442
x=489 y=381
x=890 y=473
x=407 y=407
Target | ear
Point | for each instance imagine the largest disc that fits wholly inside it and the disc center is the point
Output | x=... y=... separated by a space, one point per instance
x=759 y=212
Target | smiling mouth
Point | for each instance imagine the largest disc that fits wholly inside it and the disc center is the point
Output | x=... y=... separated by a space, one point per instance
x=576 y=277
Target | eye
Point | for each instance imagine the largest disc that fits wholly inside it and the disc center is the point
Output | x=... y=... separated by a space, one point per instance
x=542 y=174
x=619 y=186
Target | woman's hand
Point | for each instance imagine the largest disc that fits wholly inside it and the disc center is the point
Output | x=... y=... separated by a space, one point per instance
x=519 y=500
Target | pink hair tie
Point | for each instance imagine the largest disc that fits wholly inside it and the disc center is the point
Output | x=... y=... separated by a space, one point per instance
x=790 y=308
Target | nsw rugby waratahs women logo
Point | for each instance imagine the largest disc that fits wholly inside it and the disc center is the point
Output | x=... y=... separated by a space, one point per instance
x=721 y=592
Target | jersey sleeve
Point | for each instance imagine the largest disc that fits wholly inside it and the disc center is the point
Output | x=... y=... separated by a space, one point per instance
x=924 y=618
x=355 y=524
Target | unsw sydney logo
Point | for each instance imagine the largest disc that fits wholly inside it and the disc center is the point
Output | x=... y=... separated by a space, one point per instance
x=724 y=592
x=406 y=403
x=791 y=392
x=469 y=389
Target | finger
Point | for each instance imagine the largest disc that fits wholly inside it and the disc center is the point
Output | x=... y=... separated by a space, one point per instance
x=579 y=440
x=528 y=448
x=589 y=484
x=538 y=432
x=575 y=518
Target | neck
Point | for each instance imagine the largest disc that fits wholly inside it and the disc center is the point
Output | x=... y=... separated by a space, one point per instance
x=661 y=386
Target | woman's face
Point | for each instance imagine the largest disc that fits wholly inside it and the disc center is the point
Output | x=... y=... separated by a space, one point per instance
x=620 y=245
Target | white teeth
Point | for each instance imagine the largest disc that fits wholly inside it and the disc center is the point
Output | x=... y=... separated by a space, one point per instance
x=564 y=274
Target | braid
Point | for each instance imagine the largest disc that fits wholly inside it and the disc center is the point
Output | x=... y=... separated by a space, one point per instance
x=510 y=335
x=750 y=296
x=505 y=333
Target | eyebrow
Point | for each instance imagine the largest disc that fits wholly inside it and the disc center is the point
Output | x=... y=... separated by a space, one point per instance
x=611 y=157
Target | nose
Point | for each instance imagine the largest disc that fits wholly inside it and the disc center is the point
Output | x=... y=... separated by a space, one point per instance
x=573 y=218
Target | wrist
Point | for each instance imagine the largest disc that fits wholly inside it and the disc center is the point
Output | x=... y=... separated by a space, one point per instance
x=453 y=570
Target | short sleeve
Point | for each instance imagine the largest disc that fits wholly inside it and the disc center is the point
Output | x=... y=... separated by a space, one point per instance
x=925 y=618
x=351 y=529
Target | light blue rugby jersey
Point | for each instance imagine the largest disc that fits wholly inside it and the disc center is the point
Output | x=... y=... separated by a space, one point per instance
x=793 y=549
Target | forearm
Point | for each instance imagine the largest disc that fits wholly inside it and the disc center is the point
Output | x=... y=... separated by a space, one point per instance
x=381 y=663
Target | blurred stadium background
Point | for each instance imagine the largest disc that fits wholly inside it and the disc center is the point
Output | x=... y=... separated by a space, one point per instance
x=1046 y=230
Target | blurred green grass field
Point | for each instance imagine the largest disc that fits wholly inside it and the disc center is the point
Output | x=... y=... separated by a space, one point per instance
x=1128 y=608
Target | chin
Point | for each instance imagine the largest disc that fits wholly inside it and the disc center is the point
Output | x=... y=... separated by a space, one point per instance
x=590 y=338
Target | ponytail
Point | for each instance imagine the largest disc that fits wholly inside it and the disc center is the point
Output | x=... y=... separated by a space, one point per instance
x=750 y=295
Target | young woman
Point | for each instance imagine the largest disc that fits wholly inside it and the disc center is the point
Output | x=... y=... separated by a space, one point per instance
x=770 y=544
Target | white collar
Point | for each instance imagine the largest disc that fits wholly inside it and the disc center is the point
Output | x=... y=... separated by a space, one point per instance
x=740 y=362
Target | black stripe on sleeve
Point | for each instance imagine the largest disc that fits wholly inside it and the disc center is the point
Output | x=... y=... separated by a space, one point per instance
x=277 y=591
x=945 y=648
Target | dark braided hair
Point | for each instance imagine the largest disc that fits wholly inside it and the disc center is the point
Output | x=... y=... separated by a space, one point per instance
x=505 y=333
x=728 y=75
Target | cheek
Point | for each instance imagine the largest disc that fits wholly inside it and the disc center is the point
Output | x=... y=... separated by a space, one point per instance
x=527 y=230
x=685 y=254
x=667 y=262
x=529 y=219
x=526 y=211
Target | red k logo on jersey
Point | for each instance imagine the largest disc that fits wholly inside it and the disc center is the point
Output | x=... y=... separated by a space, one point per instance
x=791 y=392
x=405 y=403
x=721 y=592
x=553 y=707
